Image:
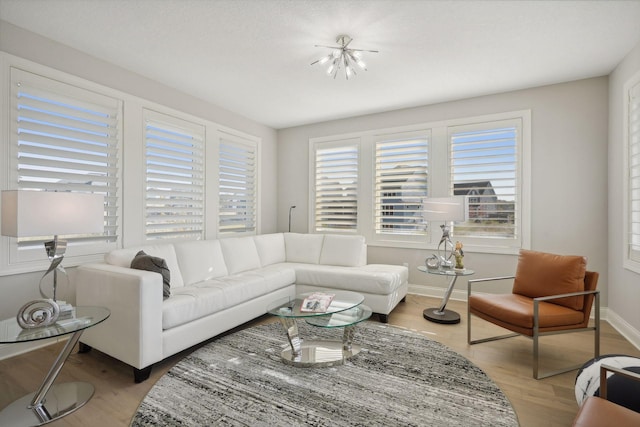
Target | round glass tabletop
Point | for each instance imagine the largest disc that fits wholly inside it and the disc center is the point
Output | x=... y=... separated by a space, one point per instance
x=85 y=317
x=453 y=272
x=293 y=308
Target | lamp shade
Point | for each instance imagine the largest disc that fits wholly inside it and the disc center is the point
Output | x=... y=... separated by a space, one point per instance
x=445 y=208
x=46 y=213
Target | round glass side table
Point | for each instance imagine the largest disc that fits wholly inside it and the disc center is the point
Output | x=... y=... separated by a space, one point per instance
x=51 y=401
x=441 y=314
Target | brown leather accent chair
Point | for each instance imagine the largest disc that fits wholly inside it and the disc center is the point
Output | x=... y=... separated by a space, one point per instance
x=551 y=294
x=598 y=411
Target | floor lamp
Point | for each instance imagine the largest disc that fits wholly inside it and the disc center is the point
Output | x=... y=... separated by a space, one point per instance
x=290 y=209
x=45 y=213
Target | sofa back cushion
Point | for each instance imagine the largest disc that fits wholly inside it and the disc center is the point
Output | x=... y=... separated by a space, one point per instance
x=348 y=251
x=200 y=260
x=123 y=258
x=270 y=248
x=305 y=248
x=541 y=274
x=240 y=254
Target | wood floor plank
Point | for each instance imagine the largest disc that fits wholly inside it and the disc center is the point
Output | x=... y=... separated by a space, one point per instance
x=549 y=402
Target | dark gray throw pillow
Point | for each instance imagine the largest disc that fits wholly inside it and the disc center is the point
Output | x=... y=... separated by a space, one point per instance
x=142 y=261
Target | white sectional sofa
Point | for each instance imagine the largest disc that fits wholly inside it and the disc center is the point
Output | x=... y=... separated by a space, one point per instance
x=217 y=285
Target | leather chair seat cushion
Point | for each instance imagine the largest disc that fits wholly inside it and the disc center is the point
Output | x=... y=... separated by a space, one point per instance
x=600 y=412
x=541 y=274
x=517 y=310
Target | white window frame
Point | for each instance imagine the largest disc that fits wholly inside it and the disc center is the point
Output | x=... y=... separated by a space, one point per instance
x=631 y=178
x=439 y=184
x=33 y=257
x=250 y=145
x=509 y=243
x=183 y=219
x=314 y=212
x=421 y=233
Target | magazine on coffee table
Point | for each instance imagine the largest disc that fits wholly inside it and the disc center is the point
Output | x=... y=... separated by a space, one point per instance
x=317 y=302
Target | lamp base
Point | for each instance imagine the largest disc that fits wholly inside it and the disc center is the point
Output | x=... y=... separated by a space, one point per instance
x=445 y=316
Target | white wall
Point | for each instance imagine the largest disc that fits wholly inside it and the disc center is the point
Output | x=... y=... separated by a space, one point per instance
x=17 y=289
x=624 y=288
x=569 y=174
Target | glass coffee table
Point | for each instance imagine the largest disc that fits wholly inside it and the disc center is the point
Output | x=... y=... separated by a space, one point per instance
x=51 y=401
x=345 y=311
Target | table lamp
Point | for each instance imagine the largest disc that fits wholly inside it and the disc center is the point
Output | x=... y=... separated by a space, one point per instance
x=445 y=209
x=28 y=213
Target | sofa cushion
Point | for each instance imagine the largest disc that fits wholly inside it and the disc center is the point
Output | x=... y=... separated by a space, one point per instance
x=343 y=250
x=123 y=258
x=305 y=248
x=202 y=299
x=377 y=279
x=200 y=260
x=240 y=254
x=270 y=248
x=146 y=262
x=541 y=274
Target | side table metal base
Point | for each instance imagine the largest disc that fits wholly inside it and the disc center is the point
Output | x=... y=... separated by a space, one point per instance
x=445 y=316
x=61 y=399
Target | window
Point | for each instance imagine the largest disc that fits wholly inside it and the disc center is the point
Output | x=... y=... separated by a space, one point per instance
x=174 y=178
x=335 y=188
x=484 y=168
x=401 y=183
x=375 y=182
x=64 y=138
x=237 y=185
x=633 y=178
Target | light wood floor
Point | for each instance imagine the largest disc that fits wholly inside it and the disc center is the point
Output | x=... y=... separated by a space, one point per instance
x=548 y=402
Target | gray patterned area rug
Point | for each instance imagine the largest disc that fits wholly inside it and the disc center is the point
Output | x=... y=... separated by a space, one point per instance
x=400 y=378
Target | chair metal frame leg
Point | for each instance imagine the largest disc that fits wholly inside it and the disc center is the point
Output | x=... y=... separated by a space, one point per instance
x=536 y=337
x=495 y=338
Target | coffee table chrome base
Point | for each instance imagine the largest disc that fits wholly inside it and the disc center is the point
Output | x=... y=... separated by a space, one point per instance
x=307 y=353
x=319 y=353
x=447 y=317
x=61 y=399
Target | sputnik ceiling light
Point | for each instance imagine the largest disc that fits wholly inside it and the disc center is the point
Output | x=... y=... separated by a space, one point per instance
x=343 y=57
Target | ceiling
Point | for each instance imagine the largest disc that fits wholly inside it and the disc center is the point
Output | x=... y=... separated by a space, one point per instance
x=253 y=57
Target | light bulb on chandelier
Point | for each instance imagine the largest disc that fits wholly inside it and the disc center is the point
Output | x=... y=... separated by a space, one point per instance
x=343 y=57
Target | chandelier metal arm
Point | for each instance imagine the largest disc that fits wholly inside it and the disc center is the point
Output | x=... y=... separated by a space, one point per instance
x=342 y=54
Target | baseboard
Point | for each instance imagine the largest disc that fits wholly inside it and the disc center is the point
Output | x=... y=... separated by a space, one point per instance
x=625 y=329
x=436 y=292
x=619 y=324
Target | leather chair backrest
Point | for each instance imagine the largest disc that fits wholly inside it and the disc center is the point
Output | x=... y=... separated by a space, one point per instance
x=541 y=274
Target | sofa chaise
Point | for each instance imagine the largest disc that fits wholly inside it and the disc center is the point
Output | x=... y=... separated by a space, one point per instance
x=216 y=285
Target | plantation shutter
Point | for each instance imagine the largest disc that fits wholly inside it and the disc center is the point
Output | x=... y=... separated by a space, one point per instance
x=237 y=186
x=336 y=186
x=401 y=184
x=174 y=178
x=484 y=168
x=65 y=138
x=634 y=172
